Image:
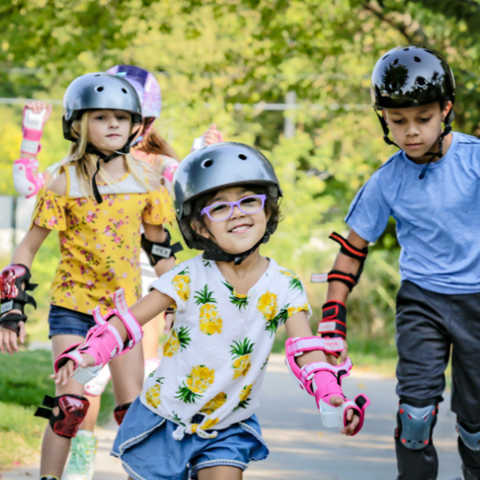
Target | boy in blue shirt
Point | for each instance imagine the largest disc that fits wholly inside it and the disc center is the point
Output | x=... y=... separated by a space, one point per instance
x=431 y=187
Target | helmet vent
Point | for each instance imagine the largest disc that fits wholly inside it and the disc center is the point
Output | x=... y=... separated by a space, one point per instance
x=387 y=55
x=418 y=60
x=421 y=81
x=406 y=49
x=99 y=89
x=395 y=61
x=242 y=156
x=124 y=90
x=207 y=163
x=97 y=75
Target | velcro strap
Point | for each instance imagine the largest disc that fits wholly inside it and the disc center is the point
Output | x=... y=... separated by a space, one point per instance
x=334 y=321
x=340 y=370
x=12 y=320
x=30 y=146
x=299 y=346
x=157 y=251
x=348 y=279
x=45 y=410
x=134 y=329
x=348 y=249
x=32 y=134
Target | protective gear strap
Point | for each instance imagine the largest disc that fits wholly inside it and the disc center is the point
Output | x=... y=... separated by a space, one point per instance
x=14 y=282
x=72 y=411
x=25 y=183
x=120 y=412
x=32 y=129
x=348 y=249
x=415 y=425
x=334 y=320
x=470 y=439
x=157 y=251
x=103 y=341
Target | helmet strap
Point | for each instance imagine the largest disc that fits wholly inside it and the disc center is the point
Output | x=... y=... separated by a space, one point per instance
x=386 y=131
x=92 y=149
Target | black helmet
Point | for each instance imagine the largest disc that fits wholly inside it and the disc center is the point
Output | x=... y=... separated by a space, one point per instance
x=97 y=91
x=410 y=76
x=211 y=168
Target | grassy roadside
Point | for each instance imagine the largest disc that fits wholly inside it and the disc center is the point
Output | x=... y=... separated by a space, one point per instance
x=23 y=383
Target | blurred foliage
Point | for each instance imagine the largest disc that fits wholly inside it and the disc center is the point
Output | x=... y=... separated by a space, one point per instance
x=217 y=61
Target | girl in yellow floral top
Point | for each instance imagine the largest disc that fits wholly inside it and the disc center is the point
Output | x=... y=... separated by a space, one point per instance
x=99 y=235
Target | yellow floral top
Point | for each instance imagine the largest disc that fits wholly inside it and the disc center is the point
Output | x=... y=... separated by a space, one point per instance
x=99 y=243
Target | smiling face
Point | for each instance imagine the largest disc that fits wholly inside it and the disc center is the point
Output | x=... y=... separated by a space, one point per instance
x=416 y=129
x=108 y=130
x=238 y=233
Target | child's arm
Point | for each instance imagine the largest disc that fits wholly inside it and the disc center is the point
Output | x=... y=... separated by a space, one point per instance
x=307 y=362
x=157 y=236
x=333 y=324
x=22 y=257
x=26 y=178
x=98 y=349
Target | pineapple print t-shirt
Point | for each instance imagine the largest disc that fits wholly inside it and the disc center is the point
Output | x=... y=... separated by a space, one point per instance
x=215 y=357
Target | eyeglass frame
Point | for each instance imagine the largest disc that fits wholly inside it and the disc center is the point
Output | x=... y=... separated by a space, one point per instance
x=206 y=210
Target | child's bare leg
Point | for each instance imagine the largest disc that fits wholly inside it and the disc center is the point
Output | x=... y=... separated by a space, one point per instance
x=54 y=447
x=127 y=375
x=91 y=418
x=221 y=472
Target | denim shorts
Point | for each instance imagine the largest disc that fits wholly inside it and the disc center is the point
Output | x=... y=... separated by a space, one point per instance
x=147 y=449
x=64 y=321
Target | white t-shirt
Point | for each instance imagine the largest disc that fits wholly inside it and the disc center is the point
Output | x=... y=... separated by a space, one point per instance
x=215 y=357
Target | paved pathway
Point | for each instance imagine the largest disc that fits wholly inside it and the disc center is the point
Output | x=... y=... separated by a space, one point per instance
x=301 y=448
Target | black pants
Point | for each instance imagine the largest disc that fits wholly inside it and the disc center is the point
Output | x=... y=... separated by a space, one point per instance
x=429 y=326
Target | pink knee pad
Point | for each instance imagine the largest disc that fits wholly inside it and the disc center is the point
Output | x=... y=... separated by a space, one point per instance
x=25 y=183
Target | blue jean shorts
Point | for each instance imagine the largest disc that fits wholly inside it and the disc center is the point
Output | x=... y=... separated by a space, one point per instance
x=147 y=449
x=64 y=321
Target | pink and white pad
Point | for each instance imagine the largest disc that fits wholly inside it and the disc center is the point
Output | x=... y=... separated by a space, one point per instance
x=32 y=129
x=103 y=341
x=25 y=182
x=323 y=381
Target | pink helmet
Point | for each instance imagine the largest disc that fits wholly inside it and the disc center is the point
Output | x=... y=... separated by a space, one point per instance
x=146 y=86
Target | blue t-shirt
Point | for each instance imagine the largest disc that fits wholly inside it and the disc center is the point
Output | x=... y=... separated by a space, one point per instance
x=438 y=218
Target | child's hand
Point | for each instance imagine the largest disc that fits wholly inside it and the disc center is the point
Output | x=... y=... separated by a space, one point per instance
x=334 y=360
x=37 y=107
x=212 y=135
x=66 y=371
x=8 y=338
x=352 y=419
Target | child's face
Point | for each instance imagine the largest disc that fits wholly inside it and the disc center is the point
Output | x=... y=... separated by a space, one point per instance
x=241 y=231
x=416 y=129
x=108 y=130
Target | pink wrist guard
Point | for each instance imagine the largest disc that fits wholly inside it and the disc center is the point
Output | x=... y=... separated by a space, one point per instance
x=323 y=381
x=25 y=183
x=103 y=342
x=32 y=129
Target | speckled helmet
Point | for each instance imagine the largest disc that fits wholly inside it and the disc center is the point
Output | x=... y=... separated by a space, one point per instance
x=217 y=166
x=98 y=91
x=410 y=76
x=146 y=86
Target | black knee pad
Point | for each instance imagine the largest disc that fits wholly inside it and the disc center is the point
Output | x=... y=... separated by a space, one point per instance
x=415 y=425
x=72 y=412
x=470 y=435
x=120 y=412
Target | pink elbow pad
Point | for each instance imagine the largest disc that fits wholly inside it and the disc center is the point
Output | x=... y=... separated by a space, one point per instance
x=25 y=183
x=32 y=129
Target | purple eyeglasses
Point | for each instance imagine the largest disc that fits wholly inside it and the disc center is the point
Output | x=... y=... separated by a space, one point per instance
x=224 y=210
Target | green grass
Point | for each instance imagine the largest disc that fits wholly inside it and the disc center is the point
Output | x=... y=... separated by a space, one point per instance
x=23 y=383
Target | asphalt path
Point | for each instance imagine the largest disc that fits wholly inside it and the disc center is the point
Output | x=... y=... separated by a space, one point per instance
x=300 y=448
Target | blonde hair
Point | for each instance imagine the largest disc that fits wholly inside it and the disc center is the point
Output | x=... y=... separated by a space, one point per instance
x=86 y=163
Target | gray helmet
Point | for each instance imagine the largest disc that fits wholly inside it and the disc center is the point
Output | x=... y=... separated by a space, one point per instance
x=97 y=91
x=221 y=165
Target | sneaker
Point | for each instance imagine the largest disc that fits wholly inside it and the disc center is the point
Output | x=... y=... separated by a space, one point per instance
x=82 y=457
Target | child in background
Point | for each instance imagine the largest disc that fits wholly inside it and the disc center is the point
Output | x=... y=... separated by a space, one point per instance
x=98 y=204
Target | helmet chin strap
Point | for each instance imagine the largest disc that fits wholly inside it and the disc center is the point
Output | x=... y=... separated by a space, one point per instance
x=215 y=253
x=92 y=149
x=439 y=154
